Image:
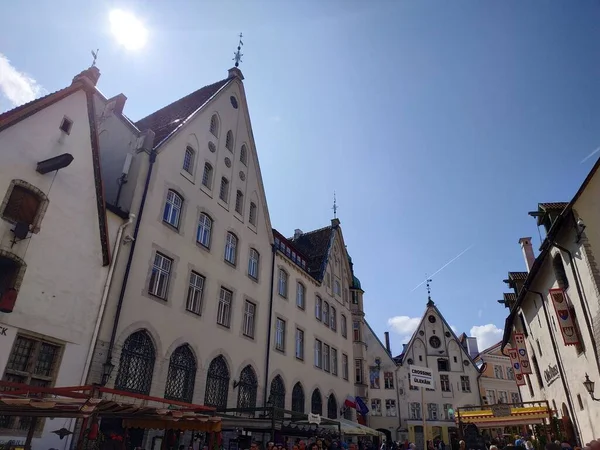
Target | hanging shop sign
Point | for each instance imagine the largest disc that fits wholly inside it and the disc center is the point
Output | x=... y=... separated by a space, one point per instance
x=522 y=351
x=314 y=418
x=501 y=410
x=516 y=365
x=551 y=374
x=565 y=316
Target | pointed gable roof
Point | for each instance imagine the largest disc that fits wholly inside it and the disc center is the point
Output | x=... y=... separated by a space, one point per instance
x=431 y=307
x=315 y=245
x=168 y=119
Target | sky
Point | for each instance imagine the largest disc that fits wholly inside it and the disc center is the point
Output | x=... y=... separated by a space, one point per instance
x=439 y=125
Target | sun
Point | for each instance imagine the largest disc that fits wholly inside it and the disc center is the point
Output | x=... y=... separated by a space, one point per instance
x=129 y=31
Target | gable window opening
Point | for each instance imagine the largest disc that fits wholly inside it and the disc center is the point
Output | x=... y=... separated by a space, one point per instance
x=252 y=215
x=224 y=308
x=239 y=202
x=229 y=141
x=224 y=191
x=244 y=155
x=66 y=125
x=280 y=335
x=443 y=365
x=159 y=279
x=194 y=297
x=230 y=248
x=188 y=160
x=249 y=315
x=207 y=175
x=172 y=212
x=204 y=230
x=214 y=125
x=253 y=264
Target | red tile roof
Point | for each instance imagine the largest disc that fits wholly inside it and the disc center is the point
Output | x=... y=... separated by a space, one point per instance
x=164 y=121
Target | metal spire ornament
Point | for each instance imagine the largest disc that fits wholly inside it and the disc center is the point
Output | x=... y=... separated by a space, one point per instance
x=335 y=206
x=238 y=54
x=429 y=301
x=95 y=55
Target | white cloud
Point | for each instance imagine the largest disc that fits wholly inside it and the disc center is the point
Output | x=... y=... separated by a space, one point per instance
x=17 y=87
x=404 y=326
x=487 y=335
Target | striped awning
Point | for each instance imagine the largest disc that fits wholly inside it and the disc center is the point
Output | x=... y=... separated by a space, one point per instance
x=518 y=416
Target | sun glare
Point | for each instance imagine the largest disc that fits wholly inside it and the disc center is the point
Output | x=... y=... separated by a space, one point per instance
x=128 y=30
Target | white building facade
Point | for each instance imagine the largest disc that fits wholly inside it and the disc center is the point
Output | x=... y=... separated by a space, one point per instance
x=435 y=345
x=56 y=245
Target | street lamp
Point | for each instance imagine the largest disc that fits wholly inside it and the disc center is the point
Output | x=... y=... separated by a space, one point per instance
x=107 y=369
x=589 y=386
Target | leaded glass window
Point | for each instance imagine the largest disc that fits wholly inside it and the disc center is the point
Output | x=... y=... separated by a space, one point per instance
x=136 y=365
x=217 y=383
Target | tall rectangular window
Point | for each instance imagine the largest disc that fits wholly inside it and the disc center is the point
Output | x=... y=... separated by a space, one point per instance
x=514 y=397
x=318 y=307
x=390 y=408
x=299 y=344
x=333 y=319
x=253 y=259
x=224 y=308
x=345 y=374
x=224 y=191
x=334 y=361
x=490 y=396
x=318 y=353
x=344 y=326
x=280 y=334
x=300 y=296
x=465 y=383
x=415 y=411
x=194 y=297
x=282 y=283
x=239 y=202
x=445 y=383
x=231 y=248
x=388 y=380
x=498 y=372
x=159 y=280
x=356 y=331
x=502 y=397
x=432 y=411
x=249 y=317
x=252 y=217
x=376 y=407
x=326 y=356
x=358 y=371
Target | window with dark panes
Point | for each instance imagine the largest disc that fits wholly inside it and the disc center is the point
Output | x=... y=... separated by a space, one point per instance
x=22 y=206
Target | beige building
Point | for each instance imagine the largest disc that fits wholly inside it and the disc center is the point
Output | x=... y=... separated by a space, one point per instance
x=556 y=311
x=435 y=345
x=497 y=382
x=57 y=245
x=383 y=393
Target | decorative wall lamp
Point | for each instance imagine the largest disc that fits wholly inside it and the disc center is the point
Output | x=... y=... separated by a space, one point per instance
x=589 y=386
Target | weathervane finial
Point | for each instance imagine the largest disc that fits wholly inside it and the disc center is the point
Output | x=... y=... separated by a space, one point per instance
x=335 y=206
x=238 y=54
x=95 y=55
x=428 y=280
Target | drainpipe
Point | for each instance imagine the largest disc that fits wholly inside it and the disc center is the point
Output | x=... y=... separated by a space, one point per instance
x=558 y=363
x=152 y=159
x=267 y=358
x=109 y=277
x=581 y=301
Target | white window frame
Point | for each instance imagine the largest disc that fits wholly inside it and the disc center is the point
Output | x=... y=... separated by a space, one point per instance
x=282 y=283
x=503 y=397
x=318 y=307
x=161 y=271
x=376 y=407
x=344 y=325
x=224 y=189
x=326 y=358
x=204 y=230
x=280 y=334
x=415 y=411
x=332 y=318
x=195 y=293
x=498 y=372
x=318 y=354
x=334 y=361
x=188 y=160
x=465 y=383
x=300 y=295
x=299 y=344
x=388 y=380
x=249 y=319
x=490 y=396
x=252 y=215
x=345 y=368
x=239 y=202
x=253 y=262
x=173 y=208
x=207 y=175
x=391 y=409
x=224 y=308
x=231 y=242
x=433 y=411
x=445 y=382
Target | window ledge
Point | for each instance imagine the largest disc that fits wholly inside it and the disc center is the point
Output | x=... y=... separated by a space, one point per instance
x=188 y=176
x=252 y=228
x=224 y=327
x=223 y=205
x=206 y=190
x=171 y=227
x=230 y=264
x=202 y=247
x=253 y=278
x=238 y=216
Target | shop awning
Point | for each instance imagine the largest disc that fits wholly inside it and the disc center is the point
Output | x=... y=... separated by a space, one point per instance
x=505 y=415
x=350 y=428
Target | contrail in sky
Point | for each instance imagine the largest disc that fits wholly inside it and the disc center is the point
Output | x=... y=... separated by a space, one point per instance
x=590 y=155
x=443 y=267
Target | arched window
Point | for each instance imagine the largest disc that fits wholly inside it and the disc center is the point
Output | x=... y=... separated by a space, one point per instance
x=230 y=248
x=252 y=218
x=332 y=408
x=253 y=261
x=244 y=155
x=239 y=202
x=182 y=375
x=207 y=175
x=224 y=191
x=559 y=271
x=247 y=388
x=188 y=160
x=136 y=365
x=277 y=392
x=283 y=283
x=214 y=125
x=204 y=230
x=229 y=141
x=298 y=398
x=173 y=205
x=316 y=402
x=217 y=383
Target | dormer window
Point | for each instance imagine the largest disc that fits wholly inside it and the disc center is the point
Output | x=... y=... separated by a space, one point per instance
x=24 y=204
x=66 y=125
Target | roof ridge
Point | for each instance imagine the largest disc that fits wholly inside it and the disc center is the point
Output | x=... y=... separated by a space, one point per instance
x=311 y=232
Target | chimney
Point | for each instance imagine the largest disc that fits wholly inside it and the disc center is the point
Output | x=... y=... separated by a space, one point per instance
x=387 y=342
x=297 y=233
x=527 y=250
x=119 y=103
x=90 y=75
x=335 y=223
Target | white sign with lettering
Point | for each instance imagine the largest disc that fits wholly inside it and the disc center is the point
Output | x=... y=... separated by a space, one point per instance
x=421 y=377
x=314 y=418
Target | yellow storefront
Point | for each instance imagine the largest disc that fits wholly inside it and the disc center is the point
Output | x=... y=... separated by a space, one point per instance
x=434 y=429
x=502 y=415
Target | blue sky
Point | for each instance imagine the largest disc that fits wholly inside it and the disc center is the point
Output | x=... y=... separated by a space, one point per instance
x=438 y=124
